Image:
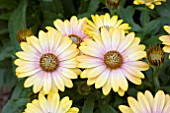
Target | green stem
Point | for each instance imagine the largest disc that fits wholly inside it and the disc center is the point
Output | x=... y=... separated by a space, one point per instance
x=144 y=21
x=156 y=78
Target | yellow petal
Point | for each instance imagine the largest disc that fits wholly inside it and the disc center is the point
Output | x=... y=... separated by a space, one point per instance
x=47 y=83
x=121 y=92
x=58 y=81
x=167 y=28
x=157 y=3
x=107 y=87
x=73 y=110
x=125 y=109
x=102 y=79
x=64 y=105
x=134 y=105
x=166 y=49
x=151 y=6
x=43 y=103
x=144 y=104
x=114 y=80
x=158 y=102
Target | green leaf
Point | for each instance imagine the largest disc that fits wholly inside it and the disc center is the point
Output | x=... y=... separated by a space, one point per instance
x=166 y=88
x=69 y=8
x=93 y=6
x=21 y=102
x=6 y=52
x=2 y=72
x=144 y=18
x=8 y=4
x=83 y=6
x=106 y=108
x=5 y=16
x=15 y=105
x=88 y=105
x=9 y=78
x=91 y=9
x=151 y=41
x=20 y=91
x=151 y=27
x=164 y=9
x=132 y=91
x=10 y=107
x=17 y=21
x=127 y=15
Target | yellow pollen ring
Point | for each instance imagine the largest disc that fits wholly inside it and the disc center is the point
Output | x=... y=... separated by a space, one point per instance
x=113 y=59
x=48 y=62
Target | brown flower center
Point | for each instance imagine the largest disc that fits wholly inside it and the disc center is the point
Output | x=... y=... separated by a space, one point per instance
x=48 y=62
x=76 y=39
x=106 y=26
x=113 y=59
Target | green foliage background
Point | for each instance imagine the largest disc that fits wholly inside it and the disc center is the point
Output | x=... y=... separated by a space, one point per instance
x=36 y=14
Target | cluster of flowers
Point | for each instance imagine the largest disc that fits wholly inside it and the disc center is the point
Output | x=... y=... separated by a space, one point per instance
x=101 y=50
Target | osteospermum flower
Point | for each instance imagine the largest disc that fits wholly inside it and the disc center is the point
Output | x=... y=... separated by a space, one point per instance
x=104 y=21
x=51 y=104
x=72 y=29
x=48 y=62
x=149 y=3
x=166 y=40
x=112 y=58
x=146 y=103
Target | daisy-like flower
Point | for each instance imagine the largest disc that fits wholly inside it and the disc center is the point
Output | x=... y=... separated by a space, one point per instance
x=110 y=59
x=48 y=62
x=146 y=103
x=72 y=28
x=149 y=3
x=104 y=21
x=51 y=104
x=166 y=40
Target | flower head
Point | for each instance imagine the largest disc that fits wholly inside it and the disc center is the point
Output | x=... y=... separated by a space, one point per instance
x=51 y=104
x=72 y=29
x=155 y=55
x=149 y=3
x=48 y=62
x=112 y=3
x=146 y=103
x=110 y=59
x=104 y=21
x=22 y=34
x=166 y=40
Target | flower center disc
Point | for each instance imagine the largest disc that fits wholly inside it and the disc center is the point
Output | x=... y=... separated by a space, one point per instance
x=156 y=56
x=76 y=39
x=113 y=59
x=48 y=62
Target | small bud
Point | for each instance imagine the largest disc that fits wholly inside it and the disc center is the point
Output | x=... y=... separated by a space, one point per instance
x=112 y=3
x=22 y=34
x=155 y=55
x=83 y=88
